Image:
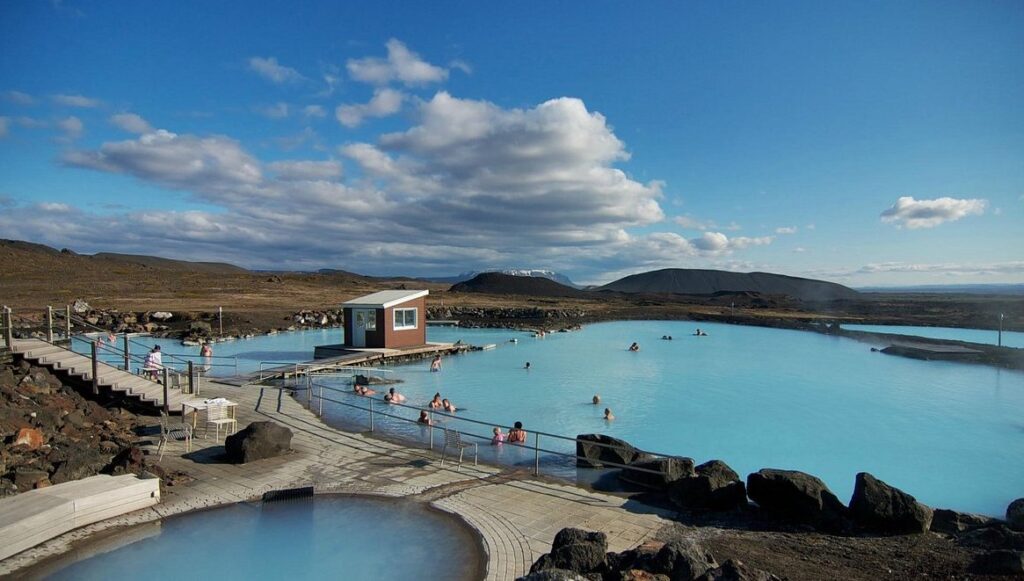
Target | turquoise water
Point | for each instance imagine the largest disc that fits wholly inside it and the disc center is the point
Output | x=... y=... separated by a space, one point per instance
x=951 y=434
x=320 y=538
x=1010 y=338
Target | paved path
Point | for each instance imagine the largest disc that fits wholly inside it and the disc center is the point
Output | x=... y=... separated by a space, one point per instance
x=516 y=515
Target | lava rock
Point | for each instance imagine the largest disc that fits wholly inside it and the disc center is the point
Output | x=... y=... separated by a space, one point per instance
x=997 y=536
x=129 y=461
x=30 y=438
x=575 y=550
x=1015 y=514
x=951 y=522
x=669 y=469
x=683 y=559
x=881 y=508
x=29 y=479
x=998 y=563
x=593 y=450
x=797 y=497
x=257 y=441
x=734 y=570
x=715 y=486
x=553 y=575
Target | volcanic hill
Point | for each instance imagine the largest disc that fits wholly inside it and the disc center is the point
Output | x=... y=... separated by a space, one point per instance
x=496 y=283
x=706 y=282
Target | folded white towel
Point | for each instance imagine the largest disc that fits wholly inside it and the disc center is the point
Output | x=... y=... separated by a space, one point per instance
x=215 y=400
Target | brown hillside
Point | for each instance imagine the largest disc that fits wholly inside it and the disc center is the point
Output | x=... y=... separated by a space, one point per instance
x=496 y=283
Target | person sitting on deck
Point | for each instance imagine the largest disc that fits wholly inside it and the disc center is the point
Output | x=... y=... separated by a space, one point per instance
x=447 y=406
x=153 y=363
x=435 y=365
x=436 y=403
x=424 y=418
x=517 y=435
x=634 y=347
x=395 y=396
x=499 y=437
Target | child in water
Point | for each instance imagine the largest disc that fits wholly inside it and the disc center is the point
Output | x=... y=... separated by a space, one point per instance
x=499 y=437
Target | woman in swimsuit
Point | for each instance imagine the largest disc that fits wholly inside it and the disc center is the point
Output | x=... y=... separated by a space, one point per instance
x=517 y=435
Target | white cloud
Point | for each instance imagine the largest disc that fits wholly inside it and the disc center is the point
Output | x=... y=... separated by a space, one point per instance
x=799 y=249
x=276 y=111
x=692 y=223
x=19 y=98
x=718 y=243
x=273 y=71
x=786 y=230
x=1012 y=267
x=72 y=127
x=131 y=123
x=76 y=101
x=306 y=170
x=915 y=214
x=401 y=65
x=5 y=124
x=385 y=102
x=314 y=111
x=461 y=65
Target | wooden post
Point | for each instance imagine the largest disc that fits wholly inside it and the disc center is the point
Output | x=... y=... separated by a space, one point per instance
x=191 y=379
x=95 y=369
x=49 y=324
x=8 y=328
x=127 y=353
x=67 y=322
x=166 y=382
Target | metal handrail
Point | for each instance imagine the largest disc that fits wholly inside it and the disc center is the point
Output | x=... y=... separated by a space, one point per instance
x=537 y=434
x=307 y=367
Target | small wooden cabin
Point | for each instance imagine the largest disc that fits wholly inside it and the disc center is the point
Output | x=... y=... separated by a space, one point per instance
x=390 y=319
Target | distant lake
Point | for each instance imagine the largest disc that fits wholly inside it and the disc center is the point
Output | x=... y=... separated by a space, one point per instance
x=983 y=336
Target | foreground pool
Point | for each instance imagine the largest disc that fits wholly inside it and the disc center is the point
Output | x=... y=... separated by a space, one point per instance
x=326 y=537
x=950 y=434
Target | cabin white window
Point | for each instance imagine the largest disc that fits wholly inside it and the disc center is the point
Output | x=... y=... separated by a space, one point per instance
x=405 y=319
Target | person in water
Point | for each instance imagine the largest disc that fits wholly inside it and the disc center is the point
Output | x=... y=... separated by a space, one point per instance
x=608 y=414
x=517 y=435
x=395 y=396
x=634 y=347
x=527 y=366
x=435 y=365
x=436 y=402
x=499 y=437
x=424 y=418
x=597 y=399
x=447 y=406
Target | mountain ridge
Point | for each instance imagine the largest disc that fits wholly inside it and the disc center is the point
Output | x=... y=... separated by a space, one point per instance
x=707 y=282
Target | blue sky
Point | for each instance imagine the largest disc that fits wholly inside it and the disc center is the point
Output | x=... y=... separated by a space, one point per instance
x=862 y=142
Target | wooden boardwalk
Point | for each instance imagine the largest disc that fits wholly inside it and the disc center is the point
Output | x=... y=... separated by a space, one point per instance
x=109 y=378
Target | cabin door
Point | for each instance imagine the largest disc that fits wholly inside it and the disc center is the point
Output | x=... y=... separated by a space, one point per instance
x=365 y=320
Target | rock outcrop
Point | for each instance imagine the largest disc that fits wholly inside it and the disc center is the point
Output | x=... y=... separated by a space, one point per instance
x=951 y=522
x=734 y=570
x=1015 y=514
x=657 y=473
x=575 y=550
x=880 y=508
x=796 y=497
x=594 y=450
x=257 y=441
x=714 y=486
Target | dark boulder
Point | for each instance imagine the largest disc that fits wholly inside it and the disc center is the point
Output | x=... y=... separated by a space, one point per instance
x=128 y=461
x=714 y=486
x=998 y=563
x=951 y=522
x=29 y=479
x=1015 y=514
x=575 y=550
x=881 y=508
x=594 y=450
x=668 y=470
x=683 y=559
x=257 y=441
x=997 y=536
x=553 y=575
x=797 y=497
x=733 y=570
x=569 y=536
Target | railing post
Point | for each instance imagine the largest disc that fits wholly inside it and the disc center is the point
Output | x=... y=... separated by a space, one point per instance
x=371 y=414
x=430 y=414
x=95 y=369
x=309 y=392
x=166 y=398
x=8 y=328
x=191 y=378
x=49 y=324
x=536 y=454
x=67 y=321
x=321 y=414
x=127 y=353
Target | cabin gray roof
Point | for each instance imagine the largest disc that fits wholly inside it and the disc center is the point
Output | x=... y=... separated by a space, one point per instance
x=385 y=299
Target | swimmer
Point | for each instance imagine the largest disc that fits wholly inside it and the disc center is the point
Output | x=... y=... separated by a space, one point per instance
x=424 y=418
x=513 y=340
x=447 y=406
x=387 y=398
x=597 y=399
x=517 y=435
x=634 y=347
x=527 y=366
x=670 y=337
x=499 y=437
x=363 y=390
x=608 y=414
x=435 y=365
x=436 y=402
x=395 y=396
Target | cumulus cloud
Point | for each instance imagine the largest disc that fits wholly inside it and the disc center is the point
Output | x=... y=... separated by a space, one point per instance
x=273 y=71
x=385 y=102
x=306 y=170
x=718 y=243
x=276 y=111
x=72 y=127
x=19 y=98
x=131 y=123
x=401 y=65
x=786 y=230
x=912 y=214
x=76 y=101
x=692 y=223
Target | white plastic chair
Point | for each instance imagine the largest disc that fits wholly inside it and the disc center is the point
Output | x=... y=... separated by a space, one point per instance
x=170 y=431
x=453 y=439
x=218 y=415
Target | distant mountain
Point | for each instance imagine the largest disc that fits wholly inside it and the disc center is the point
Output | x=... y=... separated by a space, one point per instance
x=171 y=264
x=971 y=289
x=706 y=282
x=497 y=283
x=20 y=256
x=530 y=272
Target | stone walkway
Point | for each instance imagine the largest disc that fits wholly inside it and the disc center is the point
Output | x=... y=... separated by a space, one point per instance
x=515 y=514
